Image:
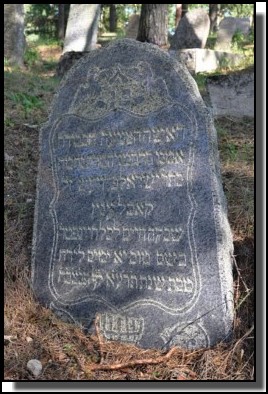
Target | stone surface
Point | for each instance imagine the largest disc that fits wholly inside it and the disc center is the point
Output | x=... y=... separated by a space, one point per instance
x=35 y=367
x=67 y=60
x=205 y=60
x=192 y=30
x=130 y=219
x=82 y=28
x=233 y=94
x=133 y=26
x=227 y=28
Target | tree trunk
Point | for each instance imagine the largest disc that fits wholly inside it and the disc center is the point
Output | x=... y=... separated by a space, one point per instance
x=178 y=14
x=213 y=15
x=82 y=27
x=153 y=24
x=14 y=40
x=184 y=9
x=66 y=16
x=112 y=18
x=61 y=22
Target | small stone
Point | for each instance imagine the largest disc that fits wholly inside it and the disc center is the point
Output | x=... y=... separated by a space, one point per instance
x=29 y=339
x=6 y=326
x=8 y=157
x=35 y=367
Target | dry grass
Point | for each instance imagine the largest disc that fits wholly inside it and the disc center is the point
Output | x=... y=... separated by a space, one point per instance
x=65 y=351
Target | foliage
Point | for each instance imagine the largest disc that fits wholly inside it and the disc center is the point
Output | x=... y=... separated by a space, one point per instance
x=31 y=56
x=193 y=6
x=41 y=18
x=237 y=10
x=27 y=101
x=123 y=12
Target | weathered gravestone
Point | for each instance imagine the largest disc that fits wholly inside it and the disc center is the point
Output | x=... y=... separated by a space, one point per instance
x=232 y=94
x=130 y=220
x=227 y=28
x=82 y=28
x=205 y=60
x=133 y=26
x=192 y=31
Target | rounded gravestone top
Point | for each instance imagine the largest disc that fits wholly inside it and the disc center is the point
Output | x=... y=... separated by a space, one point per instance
x=192 y=30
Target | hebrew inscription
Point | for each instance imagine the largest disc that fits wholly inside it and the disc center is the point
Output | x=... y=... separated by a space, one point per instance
x=130 y=221
x=121 y=193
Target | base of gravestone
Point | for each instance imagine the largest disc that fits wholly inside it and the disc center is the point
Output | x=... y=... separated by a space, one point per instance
x=68 y=59
x=205 y=60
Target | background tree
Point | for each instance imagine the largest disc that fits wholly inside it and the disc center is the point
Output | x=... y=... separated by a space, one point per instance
x=178 y=14
x=185 y=8
x=153 y=24
x=42 y=19
x=213 y=16
x=237 y=10
x=14 y=40
x=112 y=18
x=61 y=22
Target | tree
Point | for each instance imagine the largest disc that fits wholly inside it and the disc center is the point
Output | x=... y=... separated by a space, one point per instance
x=112 y=18
x=213 y=16
x=82 y=27
x=185 y=8
x=42 y=19
x=61 y=22
x=237 y=10
x=178 y=14
x=153 y=24
x=14 y=39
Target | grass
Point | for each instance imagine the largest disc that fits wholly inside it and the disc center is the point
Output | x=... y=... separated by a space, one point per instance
x=65 y=351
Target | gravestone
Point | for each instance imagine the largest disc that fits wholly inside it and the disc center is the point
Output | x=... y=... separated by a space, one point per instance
x=67 y=60
x=82 y=28
x=205 y=60
x=227 y=28
x=130 y=219
x=232 y=94
x=192 y=30
x=133 y=26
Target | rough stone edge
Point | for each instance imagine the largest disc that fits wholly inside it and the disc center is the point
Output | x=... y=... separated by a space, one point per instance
x=37 y=193
x=223 y=230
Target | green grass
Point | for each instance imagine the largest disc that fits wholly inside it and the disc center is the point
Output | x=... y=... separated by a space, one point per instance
x=201 y=80
x=37 y=40
x=27 y=101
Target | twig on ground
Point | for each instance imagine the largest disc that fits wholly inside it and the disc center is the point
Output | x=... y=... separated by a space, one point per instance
x=135 y=362
x=10 y=338
x=97 y=319
x=240 y=276
x=237 y=343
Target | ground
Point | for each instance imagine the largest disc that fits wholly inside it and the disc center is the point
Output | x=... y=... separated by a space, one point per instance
x=34 y=332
